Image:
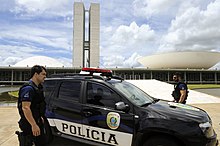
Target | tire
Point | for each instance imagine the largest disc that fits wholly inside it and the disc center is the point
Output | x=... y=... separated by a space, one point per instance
x=160 y=141
x=48 y=133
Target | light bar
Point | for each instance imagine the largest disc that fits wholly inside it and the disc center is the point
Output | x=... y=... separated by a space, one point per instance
x=96 y=70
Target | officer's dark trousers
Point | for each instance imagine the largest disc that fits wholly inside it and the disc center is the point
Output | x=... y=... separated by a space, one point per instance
x=27 y=131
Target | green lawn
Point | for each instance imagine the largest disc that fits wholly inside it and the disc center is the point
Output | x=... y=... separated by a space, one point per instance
x=190 y=86
x=13 y=93
x=203 y=86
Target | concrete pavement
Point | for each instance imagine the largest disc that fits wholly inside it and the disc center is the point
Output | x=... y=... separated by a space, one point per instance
x=9 y=118
x=8 y=126
x=211 y=104
x=162 y=90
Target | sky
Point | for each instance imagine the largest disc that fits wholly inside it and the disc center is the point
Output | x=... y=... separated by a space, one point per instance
x=129 y=29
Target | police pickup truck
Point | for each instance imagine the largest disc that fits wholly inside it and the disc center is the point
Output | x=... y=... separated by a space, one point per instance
x=106 y=110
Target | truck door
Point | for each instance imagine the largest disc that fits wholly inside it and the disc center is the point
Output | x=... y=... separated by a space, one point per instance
x=101 y=122
x=66 y=109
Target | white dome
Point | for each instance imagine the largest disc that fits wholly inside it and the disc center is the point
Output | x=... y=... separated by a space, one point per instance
x=39 y=60
x=181 y=60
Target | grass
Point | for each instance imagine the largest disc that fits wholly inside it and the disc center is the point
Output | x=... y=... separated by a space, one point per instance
x=13 y=93
x=203 y=86
x=190 y=86
x=6 y=97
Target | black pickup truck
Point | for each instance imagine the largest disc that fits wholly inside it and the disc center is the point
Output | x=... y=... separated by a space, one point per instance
x=106 y=110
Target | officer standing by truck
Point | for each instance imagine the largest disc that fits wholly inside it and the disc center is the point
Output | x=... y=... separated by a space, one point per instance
x=180 y=92
x=31 y=107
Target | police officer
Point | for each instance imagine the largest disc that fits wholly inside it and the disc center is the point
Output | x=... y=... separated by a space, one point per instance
x=31 y=107
x=180 y=92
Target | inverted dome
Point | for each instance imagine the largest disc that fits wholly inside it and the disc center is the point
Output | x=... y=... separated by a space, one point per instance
x=181 y=60
x=39 y=60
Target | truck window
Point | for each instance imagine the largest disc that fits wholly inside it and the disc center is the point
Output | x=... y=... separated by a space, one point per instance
x=49 y=86
x=70 y=91
x=101 y=95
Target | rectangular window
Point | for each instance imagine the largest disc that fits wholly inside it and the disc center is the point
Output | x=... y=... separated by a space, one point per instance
x=70 y=91
x=101 y=95
x=49 y=86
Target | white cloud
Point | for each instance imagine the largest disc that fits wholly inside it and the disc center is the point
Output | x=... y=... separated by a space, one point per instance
x=127 y=39
x=6 y=5
x=6 y=61
x=8 y=50
x=194 y=29
x=10 y=61
x=116 y=12
x=121 y=61
x=132 y=61
x=65 y=61
x=22 y=38
x=167 y=8
x=48 y=8
x=113 y=61
x=33 y=27
x=12 y=54
x=36 y=35
x=133 y=33
x=148 y=8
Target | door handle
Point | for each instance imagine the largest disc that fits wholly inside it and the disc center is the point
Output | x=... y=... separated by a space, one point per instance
x=87 y=113
x=54 y=108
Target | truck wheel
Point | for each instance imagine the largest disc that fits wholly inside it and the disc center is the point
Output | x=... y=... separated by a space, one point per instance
x=160 y=141
x=48 y=132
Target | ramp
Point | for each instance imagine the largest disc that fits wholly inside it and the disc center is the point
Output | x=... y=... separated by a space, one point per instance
x=162 y=90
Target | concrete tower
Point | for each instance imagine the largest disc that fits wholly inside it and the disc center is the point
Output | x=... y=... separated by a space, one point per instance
x=86 y=35
x=78 y=34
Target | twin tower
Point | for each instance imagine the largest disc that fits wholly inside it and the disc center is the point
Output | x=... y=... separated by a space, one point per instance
x=86 y=35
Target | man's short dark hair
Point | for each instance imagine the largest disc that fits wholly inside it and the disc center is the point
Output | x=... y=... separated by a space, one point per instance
x=37 y=69
x=178 y=74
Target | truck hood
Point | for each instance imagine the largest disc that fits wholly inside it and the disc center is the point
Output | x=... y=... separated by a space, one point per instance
x=177 y=111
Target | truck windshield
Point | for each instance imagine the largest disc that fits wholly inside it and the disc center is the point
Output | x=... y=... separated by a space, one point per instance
x=133 y=93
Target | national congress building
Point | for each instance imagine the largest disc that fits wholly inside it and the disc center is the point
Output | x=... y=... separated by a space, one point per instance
x=86 y=41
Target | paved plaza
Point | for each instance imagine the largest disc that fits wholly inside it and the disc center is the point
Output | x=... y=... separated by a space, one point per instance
x=211 y=104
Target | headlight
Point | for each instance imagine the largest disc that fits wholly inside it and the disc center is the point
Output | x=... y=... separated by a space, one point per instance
x=207 y=129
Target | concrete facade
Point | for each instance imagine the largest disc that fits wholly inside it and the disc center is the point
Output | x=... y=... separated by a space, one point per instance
x=94 y=37
x=86 y=52
x=19 y=75
x=78 y=34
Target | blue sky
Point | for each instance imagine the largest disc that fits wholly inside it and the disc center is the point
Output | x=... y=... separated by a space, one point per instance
x=130 y=29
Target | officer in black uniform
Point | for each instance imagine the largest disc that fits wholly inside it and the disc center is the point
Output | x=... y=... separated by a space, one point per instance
x=31 y=107
x=180 y=92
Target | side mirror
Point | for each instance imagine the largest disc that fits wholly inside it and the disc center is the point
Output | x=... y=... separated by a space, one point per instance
x=122 y=106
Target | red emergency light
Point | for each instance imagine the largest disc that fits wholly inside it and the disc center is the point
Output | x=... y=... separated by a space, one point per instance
x=96 y=70
x=103 y=72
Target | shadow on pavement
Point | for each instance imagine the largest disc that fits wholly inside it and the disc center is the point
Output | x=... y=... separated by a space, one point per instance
x=59 y=141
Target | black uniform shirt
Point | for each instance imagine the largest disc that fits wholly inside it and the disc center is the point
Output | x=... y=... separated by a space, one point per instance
x=27 y=93
x=31 y=93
